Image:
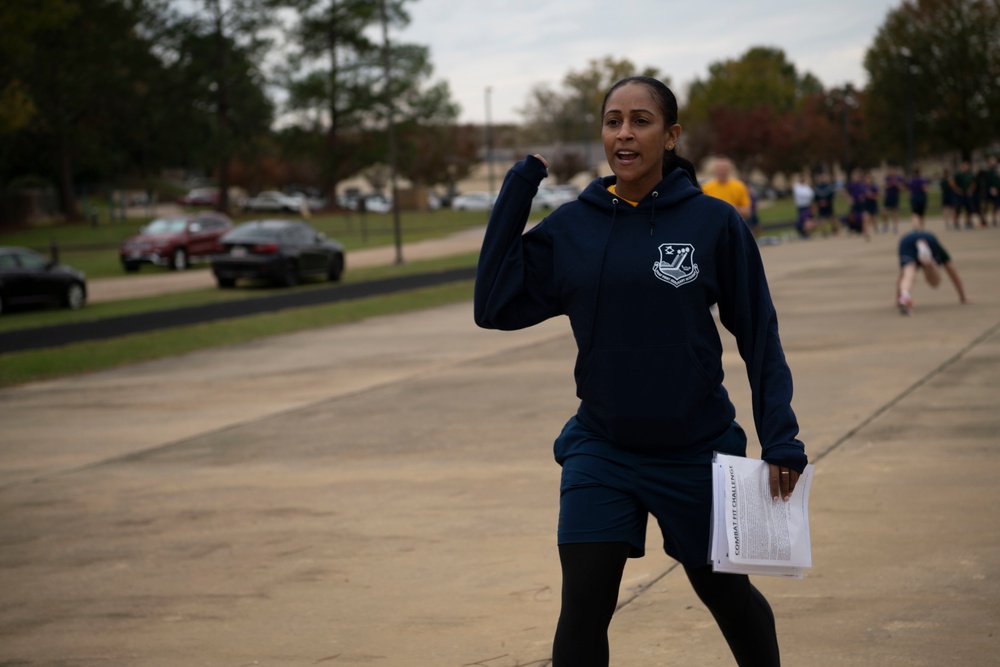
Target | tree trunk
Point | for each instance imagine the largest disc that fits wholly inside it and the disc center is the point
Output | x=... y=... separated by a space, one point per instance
x=67 y=193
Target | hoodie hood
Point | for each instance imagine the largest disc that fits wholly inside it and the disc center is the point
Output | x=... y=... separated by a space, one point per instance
x=672 y=190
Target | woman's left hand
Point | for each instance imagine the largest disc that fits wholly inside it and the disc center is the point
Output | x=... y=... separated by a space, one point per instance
x=782 y=481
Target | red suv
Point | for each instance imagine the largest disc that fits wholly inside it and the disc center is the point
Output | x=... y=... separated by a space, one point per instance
x=175 y=242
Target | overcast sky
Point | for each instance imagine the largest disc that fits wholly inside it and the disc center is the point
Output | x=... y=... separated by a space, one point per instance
x=511 y=45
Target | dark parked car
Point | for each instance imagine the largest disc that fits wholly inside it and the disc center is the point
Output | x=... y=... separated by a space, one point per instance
x=27 y=278
x=175 y=242
x=281 y=251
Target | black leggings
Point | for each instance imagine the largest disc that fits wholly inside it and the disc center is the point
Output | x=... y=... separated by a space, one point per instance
x=592 y=574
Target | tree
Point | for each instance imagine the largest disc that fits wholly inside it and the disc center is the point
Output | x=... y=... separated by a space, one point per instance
x=744 y=107
x=75 y=116
x=567 y=163
x=571 y=114
x=760 y=77
x=441 y=154
x=845 y=108
x=21 y=23
x=215 y=52
x=939 y=61
x=337 y=84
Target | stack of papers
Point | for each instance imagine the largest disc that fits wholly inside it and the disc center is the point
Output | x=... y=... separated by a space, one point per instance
x=751 y=533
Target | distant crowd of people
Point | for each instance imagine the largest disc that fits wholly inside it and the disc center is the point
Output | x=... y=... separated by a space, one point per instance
x=976 y=193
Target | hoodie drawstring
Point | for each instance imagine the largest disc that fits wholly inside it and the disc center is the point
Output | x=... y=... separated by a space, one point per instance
x=652 y=210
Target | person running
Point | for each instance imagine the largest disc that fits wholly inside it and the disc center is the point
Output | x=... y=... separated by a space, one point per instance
x=918 y=198
x=825 y=192
x=871 y=201
x=893 y=186
x=857 y=190
x=727 y=188
x=963 y=183
x=989 y=187
x=949 y=198
x=803 y=195
x=920 y=250
x=635 y=263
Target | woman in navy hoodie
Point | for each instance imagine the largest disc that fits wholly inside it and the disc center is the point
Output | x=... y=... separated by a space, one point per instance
x=636 y=263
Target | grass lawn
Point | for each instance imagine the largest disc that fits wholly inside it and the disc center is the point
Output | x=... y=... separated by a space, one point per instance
x=52 y=316
x=20 y=367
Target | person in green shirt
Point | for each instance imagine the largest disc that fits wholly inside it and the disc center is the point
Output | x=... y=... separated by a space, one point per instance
x=949 y=198
x=989 y=191
x=964 y=185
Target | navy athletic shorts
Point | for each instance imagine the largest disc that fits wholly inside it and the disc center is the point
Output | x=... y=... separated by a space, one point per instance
x=918 y=204
x=891 y=200
x=608 y=492
x=969 y=204
x=908 y=249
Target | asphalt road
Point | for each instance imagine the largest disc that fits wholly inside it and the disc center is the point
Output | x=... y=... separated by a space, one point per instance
x=382 y=493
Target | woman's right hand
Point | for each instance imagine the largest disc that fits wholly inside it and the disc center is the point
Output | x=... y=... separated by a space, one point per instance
x=542 y=160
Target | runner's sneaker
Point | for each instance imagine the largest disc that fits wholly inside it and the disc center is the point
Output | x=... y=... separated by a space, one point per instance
x=905 y=304
x=924 y=253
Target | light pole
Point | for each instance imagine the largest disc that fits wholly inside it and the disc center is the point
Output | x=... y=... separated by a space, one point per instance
x=848 y=101
x=390 y=112
x=489 y=142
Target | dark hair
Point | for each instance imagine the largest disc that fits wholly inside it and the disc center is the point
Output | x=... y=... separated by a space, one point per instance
x=665 y=99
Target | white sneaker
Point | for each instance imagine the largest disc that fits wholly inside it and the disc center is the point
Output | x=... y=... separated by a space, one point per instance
x=924 y=254
x=905 y=304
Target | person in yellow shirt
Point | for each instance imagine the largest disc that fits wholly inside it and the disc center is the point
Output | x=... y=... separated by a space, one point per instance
x=727 y=188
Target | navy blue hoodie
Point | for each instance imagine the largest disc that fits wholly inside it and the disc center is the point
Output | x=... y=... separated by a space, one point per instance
x=637 y=284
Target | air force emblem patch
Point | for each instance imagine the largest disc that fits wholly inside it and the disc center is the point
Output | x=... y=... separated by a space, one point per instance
x=676 y=264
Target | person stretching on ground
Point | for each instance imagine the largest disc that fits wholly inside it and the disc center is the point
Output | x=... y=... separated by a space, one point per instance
x=921 y=250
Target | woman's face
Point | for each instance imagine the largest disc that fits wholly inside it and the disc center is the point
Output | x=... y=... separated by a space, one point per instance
x=635 y=135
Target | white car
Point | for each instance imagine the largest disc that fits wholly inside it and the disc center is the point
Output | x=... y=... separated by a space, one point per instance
x=552 y=197
x=374 y=203
x=377 y=204
x=272 y=200
x=474 y=201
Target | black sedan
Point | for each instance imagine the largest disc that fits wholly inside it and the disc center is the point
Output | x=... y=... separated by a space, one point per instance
x=283 y=252
x=27 y=278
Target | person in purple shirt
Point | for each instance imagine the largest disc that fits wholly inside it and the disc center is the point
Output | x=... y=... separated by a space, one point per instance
x=871 y=201
x=857 y=190
x=918 y=197
x=893 y=187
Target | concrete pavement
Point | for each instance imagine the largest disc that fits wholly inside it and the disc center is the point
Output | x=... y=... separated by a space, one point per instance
x=383 y=492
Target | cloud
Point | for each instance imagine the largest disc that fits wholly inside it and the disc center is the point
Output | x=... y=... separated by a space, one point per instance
x=513 y=45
